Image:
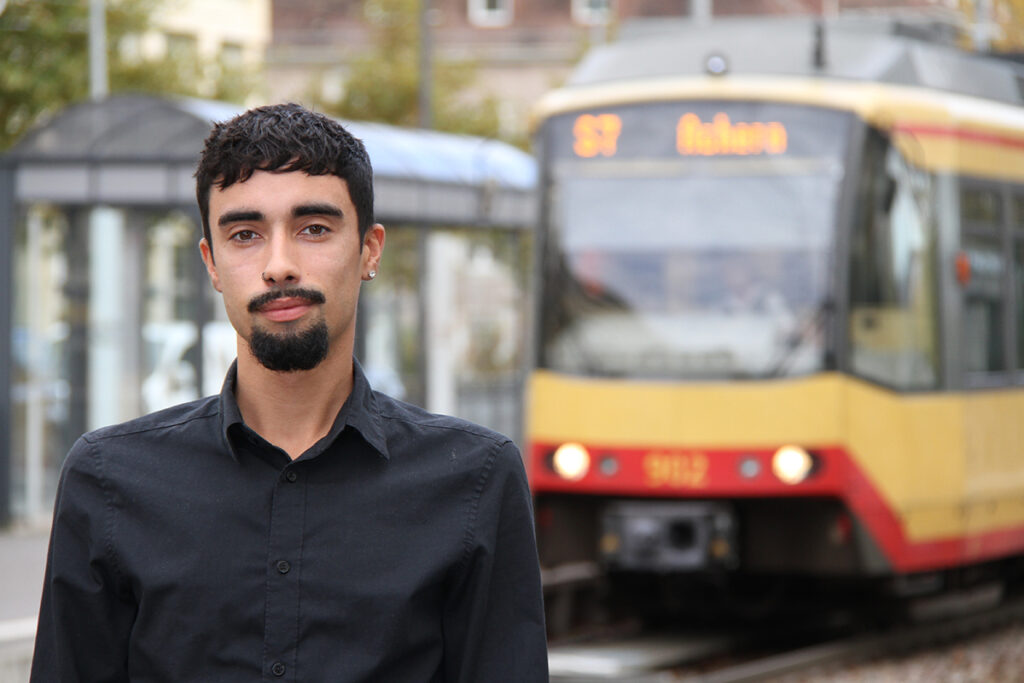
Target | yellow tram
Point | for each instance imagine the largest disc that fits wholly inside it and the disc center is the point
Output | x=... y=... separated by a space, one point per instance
x=781 y=307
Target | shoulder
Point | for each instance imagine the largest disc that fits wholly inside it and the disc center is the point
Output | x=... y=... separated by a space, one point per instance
x=448 y=445
x=157 y=424
x=407 y=418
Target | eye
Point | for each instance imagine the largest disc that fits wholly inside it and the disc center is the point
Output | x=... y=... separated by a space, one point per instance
x=316 y=230
x=244 y=236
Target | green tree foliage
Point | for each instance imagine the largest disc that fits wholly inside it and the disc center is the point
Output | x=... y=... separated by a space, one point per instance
x=44 y=61
x=383 y=84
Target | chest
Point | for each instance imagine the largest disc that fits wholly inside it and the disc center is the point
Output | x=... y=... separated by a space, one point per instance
x=344 y=537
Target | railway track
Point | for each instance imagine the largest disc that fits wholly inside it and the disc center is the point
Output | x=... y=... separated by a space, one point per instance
x=740 y=658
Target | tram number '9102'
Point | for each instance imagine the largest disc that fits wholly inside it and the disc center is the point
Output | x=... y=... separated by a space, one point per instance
x=676 y=470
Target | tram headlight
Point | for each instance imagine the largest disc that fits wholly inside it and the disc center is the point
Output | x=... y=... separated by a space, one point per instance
x=571 y=461
x=792 y=464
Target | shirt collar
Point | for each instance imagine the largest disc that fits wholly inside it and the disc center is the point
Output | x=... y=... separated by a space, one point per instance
x=360 y=411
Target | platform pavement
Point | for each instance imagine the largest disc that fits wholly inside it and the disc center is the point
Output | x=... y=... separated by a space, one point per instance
x=23 y=552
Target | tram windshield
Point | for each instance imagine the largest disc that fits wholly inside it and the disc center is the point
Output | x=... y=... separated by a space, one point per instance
x=700 y=252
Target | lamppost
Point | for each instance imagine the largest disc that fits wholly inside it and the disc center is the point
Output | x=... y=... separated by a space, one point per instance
x=425 y=95
x=98 y=86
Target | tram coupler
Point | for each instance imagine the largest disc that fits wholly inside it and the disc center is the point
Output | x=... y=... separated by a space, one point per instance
x=668 y=536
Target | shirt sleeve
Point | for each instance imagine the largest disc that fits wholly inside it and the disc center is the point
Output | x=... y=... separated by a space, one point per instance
x=84 y=618
x=494 y=614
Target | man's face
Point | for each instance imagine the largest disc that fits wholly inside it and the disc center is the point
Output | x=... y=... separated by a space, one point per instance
x=289 y=264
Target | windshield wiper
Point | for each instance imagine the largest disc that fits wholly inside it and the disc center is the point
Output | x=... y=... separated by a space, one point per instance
x=799 y=337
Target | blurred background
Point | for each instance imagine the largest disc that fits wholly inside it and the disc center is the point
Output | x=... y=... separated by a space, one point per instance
x=107 y=314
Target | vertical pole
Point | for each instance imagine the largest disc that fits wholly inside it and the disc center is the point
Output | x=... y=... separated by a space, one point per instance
x=443 y=255
x=425 y=101
x=982 y=25
x=106 y=317
x=701 y=11
x=76 y=296
x=7 y=223
x=98 y=85
x=423 y=304
x=203 y=316
x=35 y=376
x=426 y=121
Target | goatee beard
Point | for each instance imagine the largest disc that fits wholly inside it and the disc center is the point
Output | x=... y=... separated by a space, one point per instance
x=289 y=352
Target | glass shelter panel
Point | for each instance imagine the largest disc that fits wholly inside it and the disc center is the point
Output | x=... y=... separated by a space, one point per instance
x=41 y=383
x=391 y=320
x=105 y=329
x=169 y=330
x=465 y=292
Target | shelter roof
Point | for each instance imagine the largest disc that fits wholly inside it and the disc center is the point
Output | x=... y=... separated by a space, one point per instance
x=142 y=150
x=126 y=128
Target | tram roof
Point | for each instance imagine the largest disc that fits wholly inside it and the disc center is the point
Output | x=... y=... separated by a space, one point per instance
x=861 y=48
x=142 y=150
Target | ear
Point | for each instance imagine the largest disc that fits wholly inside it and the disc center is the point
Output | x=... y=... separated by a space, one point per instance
x=211 y=267
x=373 y=248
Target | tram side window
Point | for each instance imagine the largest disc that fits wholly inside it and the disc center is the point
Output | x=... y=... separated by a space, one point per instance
x=984 y=328
x=983 y=305
x=1018 y=267
x=892 y=324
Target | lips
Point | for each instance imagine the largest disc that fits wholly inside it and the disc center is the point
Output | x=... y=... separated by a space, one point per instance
x=284 y=305
x=285 y=309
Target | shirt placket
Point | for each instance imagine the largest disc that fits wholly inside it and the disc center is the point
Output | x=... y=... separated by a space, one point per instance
x=284 y=557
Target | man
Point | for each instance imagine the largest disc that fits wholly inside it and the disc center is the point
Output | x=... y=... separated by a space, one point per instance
x=298 y=527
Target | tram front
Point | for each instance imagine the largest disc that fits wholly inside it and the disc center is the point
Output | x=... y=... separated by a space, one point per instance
x=689 y=259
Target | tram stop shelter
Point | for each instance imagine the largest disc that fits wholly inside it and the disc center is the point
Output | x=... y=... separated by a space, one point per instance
x=107 y=312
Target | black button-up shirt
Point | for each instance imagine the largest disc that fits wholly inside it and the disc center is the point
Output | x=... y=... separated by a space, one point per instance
x=398 y=548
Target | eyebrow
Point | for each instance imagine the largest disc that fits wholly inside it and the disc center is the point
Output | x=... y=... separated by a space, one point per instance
x=242 y=216
x=249 y=215
x=319 y=209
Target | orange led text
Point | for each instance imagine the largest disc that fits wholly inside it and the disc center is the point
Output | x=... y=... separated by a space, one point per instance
x=596 y=135
x=722 y=137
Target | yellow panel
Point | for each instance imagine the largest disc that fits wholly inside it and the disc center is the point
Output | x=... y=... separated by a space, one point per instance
x=933 y=522
x=981 y=159
x=994 y=448
x=741 y=414
x=911 y=448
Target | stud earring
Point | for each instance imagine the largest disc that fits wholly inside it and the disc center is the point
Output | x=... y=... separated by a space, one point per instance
x=372 y=274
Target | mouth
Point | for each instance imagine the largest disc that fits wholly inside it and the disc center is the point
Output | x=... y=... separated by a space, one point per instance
x=285 y=306
x=286 y=309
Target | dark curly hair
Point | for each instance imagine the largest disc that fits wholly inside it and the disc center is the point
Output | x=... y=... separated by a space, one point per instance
x=284 y=137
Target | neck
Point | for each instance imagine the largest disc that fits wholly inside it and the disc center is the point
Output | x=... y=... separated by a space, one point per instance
x=292 y=410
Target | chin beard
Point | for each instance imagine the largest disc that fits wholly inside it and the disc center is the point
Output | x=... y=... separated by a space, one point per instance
x=288 y=352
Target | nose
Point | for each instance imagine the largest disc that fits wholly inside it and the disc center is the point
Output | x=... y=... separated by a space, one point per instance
x=281 y=266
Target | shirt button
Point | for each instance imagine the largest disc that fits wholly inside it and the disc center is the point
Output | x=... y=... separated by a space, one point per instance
x=283 y=567
x=278 y=669
x=291 y=476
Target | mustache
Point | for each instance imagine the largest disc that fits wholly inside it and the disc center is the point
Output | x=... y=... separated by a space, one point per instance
x=309 y=295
